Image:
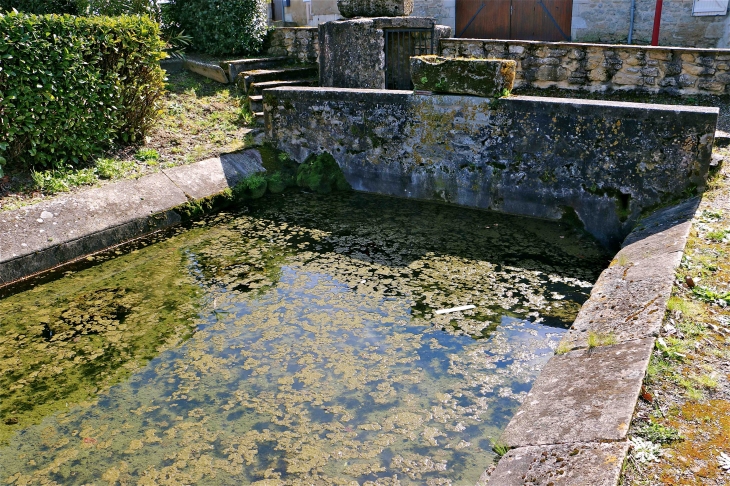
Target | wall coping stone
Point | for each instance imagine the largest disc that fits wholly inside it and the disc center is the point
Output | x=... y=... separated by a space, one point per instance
x=579 y=464
x=394 y=95
x=708 y=50
x=574 y=403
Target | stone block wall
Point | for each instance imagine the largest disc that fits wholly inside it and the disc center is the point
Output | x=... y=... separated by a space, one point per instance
x=353 y=50
x=605 y=162
x=608 y=21
x=300 y=43
x=444 y=11
x=600 y=67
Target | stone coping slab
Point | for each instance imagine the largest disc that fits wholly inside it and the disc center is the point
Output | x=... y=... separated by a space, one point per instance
x=563 y=45
x=215 y=175
x=41 y=236
x=479 y=77
x=594 y=464
x=582 y=396
x=211 y=71
x=630 y=297
x=315 y=93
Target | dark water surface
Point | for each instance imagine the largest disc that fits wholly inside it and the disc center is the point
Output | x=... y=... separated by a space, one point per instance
x=294 y=342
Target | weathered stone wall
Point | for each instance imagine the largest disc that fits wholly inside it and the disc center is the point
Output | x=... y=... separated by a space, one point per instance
x=543 y=157
x=353 y=50
x=608 y=21
x=300 y=43
x=597 y=67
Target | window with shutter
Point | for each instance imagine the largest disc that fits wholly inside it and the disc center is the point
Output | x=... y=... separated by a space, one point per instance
x=709 y=7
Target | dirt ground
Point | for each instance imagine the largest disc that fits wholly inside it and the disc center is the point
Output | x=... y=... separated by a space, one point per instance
x=683 y=418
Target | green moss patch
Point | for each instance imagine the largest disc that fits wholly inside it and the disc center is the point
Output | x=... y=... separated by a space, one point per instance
x=321 y=174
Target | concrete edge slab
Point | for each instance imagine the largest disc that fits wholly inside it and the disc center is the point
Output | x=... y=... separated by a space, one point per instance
x=580 y=464
x=106 y=216
x=630 y=297
x=211 y=71
x=582 y=396
x=28 y=265
x=589 y=404
x=215 y=175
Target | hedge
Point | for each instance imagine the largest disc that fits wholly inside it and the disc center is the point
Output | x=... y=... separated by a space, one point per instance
x=220 y=27
x=41 y=7
x=71 y=86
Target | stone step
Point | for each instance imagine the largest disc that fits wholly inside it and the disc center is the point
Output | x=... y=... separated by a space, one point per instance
x=258 y=88
x=256 y=103
x=235 y=67
x=259 y=116
x=247 y=78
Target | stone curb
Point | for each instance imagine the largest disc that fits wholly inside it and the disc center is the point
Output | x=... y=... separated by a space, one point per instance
x=565 y=465
x=584 y=400
x=53 y=232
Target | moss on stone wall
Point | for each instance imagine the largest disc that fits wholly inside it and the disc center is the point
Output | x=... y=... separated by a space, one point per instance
x=321 y=174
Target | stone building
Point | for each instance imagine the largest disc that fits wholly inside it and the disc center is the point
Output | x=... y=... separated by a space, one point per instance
x=692 y=23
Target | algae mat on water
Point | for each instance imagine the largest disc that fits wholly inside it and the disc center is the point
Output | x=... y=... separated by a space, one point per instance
x=316 y=356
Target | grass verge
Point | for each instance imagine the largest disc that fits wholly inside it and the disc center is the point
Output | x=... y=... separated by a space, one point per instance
x=201 y=119
x=682 y=421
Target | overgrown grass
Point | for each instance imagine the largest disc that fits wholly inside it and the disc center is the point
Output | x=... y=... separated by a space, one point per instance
x=200 y=119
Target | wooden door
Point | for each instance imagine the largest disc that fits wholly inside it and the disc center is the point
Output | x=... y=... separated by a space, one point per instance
x=545 y=20
x=483 y=19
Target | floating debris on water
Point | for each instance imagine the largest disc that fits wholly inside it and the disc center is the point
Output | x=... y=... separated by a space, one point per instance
x=455 y=309
x=297 y=341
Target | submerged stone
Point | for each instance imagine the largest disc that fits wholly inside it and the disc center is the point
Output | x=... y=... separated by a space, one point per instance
x=489 y=78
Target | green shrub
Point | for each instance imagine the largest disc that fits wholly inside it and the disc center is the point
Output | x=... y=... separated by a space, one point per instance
x=252 y=187
x=71 y=86
x=220 y=27
x=41 y=7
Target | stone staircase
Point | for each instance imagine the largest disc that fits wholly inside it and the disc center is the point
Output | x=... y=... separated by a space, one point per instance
x=254 y=75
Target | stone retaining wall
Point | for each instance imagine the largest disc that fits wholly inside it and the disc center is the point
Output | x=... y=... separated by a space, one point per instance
x=605 y=162
x=598 y=67
x=300 y=43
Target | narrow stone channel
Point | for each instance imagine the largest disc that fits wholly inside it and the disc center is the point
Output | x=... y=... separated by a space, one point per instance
x=292 y=341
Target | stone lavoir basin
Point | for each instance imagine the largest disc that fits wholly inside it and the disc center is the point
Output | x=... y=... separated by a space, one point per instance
x=294 y=341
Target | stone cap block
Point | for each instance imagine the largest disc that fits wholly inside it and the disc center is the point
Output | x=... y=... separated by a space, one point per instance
x=562 y=465
x=489 y=78
x=374 y=8
x=582 y=396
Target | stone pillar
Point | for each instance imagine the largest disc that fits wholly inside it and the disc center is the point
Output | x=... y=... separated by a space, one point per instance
x=352 y=51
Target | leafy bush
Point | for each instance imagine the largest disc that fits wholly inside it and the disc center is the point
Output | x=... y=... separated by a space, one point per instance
x=70 y=86
x=41 y=7
x=220 y=27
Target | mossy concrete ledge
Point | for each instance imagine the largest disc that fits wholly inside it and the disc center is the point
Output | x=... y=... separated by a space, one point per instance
x=44 y=235
x=572 y=427
x=490 y=78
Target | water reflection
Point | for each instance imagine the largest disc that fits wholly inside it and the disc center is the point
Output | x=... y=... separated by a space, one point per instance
x=317 y=358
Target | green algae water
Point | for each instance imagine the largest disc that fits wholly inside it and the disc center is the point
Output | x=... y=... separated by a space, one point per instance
x=292 y=342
